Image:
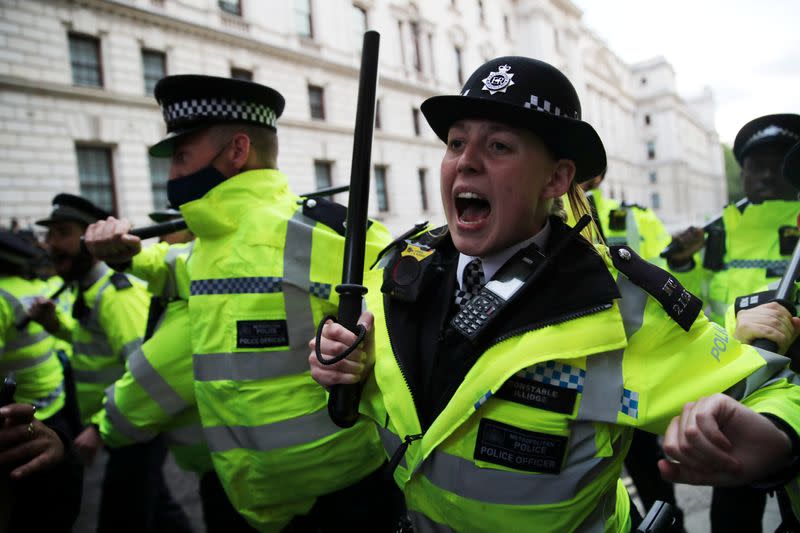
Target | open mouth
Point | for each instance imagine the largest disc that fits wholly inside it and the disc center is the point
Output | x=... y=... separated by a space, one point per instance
x=472 y=208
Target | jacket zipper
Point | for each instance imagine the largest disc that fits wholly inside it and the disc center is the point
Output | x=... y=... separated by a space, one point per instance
x=574 y=315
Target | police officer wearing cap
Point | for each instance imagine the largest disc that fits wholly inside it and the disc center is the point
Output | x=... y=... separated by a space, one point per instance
x=110 y=310
x=262 y=271
x=506 y=394
x=36 y=434
x=748 y=250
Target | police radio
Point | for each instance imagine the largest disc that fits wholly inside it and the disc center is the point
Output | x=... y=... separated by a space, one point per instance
x=522 y=270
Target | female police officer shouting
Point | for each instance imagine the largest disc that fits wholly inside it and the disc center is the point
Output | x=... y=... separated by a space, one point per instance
x=510 y=408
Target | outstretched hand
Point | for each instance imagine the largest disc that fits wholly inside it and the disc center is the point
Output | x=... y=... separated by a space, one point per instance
x=718 y=441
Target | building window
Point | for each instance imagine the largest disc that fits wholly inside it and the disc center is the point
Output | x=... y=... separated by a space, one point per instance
x=95 y=177
x=154 y=66
x=302 y=18
x=417 y=46
x=655 y=200
x=84 y=54
x=359 y=23
x=378 y=124
x=159 y=172
x=415 y=118
x=507 y=26
x=423 y=188
x=481 y=12
x=651 y=149
x=402 y=43
x=316 y=102
x=653 y=176
x=459 y=65
x=232 y=7
x=643 y=81
x=380 y=188
x=323 y=171
x=241 y=74
x=647 y=120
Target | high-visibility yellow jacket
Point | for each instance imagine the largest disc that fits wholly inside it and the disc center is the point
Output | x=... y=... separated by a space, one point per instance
x=528 y=427
x=263 y=272
x=111 y=311
x=156 y=393
x=752 y=254
x=30 y=352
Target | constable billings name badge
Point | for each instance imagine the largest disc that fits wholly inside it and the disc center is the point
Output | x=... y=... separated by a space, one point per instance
x=520 y=449
x=261 y=333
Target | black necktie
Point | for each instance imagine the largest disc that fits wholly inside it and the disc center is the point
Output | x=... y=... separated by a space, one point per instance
x=471 y=281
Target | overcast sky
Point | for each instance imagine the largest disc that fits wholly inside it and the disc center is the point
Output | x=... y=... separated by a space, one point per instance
x=747 y=51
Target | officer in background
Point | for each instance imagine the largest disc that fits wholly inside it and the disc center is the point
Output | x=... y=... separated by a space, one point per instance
x=262 y=276
x=110 y=311
x=750 y=249
x=35 y=438
x=505 y=399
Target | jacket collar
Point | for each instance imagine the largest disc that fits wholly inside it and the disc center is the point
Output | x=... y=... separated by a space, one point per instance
x=219 y=211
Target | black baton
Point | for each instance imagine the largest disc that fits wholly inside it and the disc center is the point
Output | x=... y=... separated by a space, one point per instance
x=344 y=399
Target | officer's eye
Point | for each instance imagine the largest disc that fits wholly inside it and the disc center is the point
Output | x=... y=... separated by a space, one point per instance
x=455 y=144
x=499 y=146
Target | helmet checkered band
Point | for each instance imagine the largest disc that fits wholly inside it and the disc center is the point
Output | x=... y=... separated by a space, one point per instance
x=773 y=131
x=545 y=106
x=219 y=108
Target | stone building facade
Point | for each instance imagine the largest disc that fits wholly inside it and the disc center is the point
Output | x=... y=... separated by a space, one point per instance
x=76 y=113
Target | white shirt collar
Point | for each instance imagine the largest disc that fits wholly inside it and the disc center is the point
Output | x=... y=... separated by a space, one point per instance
x=492 y=263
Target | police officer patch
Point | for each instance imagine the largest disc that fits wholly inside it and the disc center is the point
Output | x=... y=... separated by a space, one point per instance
x=261 y=333
x=520 y=449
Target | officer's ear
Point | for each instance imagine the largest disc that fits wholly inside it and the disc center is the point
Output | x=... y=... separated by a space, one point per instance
x=240 y=149
x=559 y=180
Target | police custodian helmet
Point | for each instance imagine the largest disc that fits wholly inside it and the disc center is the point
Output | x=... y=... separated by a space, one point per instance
x=69 y=207
x=528 y=94
x=191 y=102
x=781 y=129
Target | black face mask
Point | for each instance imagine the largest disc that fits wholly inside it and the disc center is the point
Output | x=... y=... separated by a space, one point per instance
x=193 y=186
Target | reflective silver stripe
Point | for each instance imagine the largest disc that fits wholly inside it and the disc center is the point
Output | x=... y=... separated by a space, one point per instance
x=47 y=401
x=423 y=524
x=606 y=507
x=632 y=230
x=122 y=424
x=23 y=364
x=718 y=308
x=631 y=305
x=102 y=376
x=186 y=435
x=283 y=434
x=468 y=480
x=170 y=290
x=254 y=285
x=757 y=263
x=16 y=306
x=243 y=366
x=154 y=384
x=93 y=348
x=297 y=277
x=602 y=387
x=391 y=443
x=130 y=347
x=23 y=340
x=773 y=370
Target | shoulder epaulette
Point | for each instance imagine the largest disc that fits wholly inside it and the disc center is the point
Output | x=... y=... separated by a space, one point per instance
x=418 y=231
x=120 y=281
x=327 y=212
x=681 y=305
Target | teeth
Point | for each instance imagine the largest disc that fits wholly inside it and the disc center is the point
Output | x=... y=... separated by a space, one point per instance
x=470 y=196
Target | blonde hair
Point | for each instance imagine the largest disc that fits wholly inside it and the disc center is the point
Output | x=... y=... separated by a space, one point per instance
x=579 y=206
